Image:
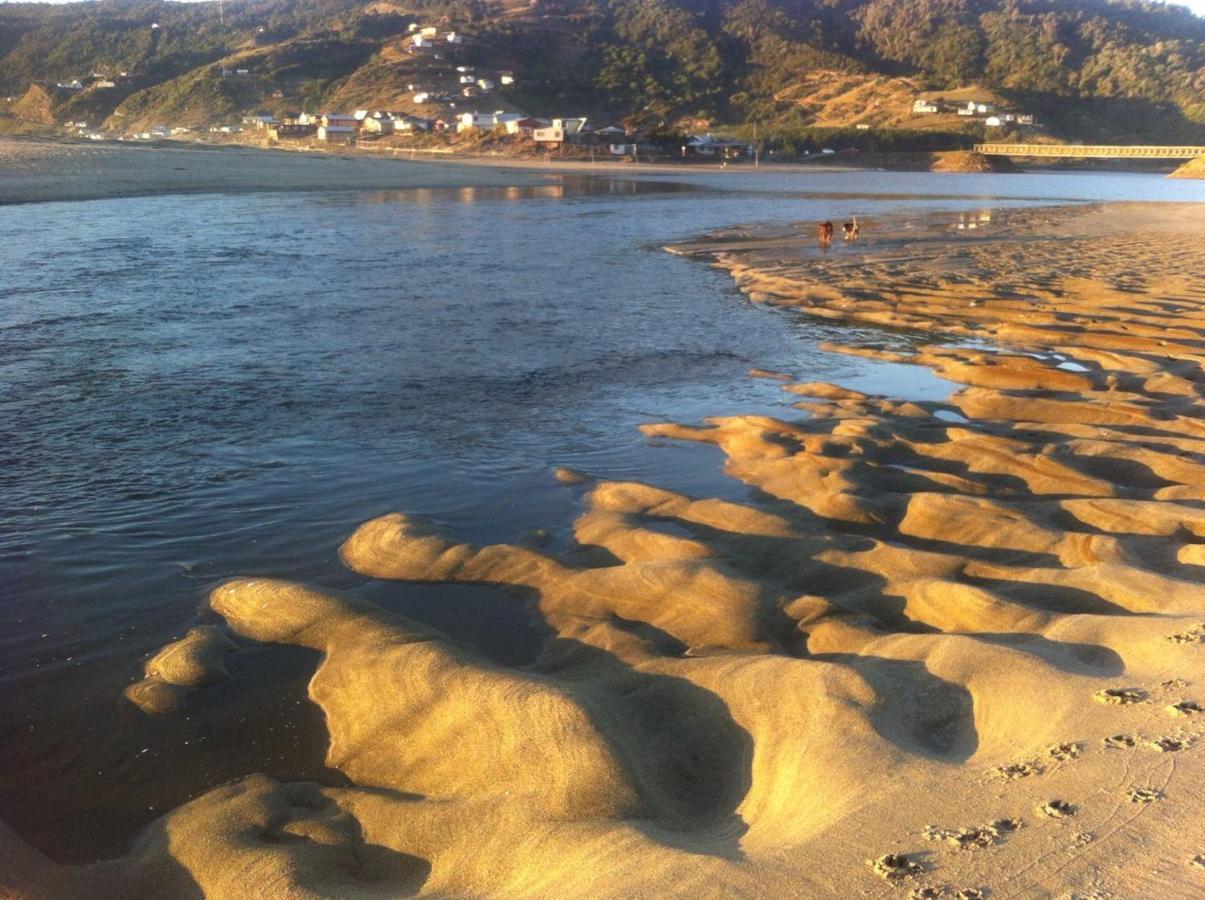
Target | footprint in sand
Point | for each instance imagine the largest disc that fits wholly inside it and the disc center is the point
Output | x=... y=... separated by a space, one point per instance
x=1118 y=741
x=1064 y=752
x=1057 y=809
x=1120 y=696
x=970 y=894
x=1184 y=708
x=1198 y=861
x=1144 y=795
x=895 y=866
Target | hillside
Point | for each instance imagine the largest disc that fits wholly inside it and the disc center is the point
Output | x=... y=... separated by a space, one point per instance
x=1122 y=70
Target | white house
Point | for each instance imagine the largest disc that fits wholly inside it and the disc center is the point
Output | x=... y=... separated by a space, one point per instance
x=373 y=125
x=506 y=78
x=418 y=41
x=993 y=122
x=421 y=97
x=428 y=31
x=454 y=38
x=486 y=84
x=488 y=121
x=467 y=79
x=553 y=134
x=921 y=105
x=509 y=121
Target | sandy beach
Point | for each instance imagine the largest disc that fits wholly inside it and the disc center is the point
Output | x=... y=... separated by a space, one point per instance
x=953 y=650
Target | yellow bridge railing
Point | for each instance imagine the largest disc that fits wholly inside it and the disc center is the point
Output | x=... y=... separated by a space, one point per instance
x=1098 y=151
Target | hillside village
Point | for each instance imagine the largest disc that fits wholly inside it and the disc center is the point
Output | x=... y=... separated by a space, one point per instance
x=443 y=106
x=540 y=76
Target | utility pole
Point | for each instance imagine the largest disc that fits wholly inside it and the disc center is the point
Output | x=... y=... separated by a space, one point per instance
x=756 y=148
x=221 y=14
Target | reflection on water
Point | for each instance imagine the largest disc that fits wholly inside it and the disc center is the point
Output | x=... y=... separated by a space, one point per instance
x=560 y=187
x=198 y=387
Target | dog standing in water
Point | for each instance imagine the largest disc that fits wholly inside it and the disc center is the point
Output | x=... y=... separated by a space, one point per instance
x=851 y=229
x=825 y=232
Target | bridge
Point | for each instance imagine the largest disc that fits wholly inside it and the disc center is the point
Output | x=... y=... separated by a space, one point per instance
x=1091 y=151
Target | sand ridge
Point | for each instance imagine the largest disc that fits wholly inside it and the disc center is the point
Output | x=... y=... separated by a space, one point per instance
x=946 y=649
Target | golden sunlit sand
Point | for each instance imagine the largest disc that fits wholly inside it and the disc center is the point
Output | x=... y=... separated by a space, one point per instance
x=954 y=649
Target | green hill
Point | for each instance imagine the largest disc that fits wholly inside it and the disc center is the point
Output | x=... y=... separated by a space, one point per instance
x=1124 y=70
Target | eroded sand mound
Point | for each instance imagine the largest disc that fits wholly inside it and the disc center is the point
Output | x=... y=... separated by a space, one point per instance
x=1194 y=168
x=969 y=161
x=953 y=646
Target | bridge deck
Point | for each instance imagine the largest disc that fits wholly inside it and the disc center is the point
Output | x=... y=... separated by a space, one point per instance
x=1098 y=151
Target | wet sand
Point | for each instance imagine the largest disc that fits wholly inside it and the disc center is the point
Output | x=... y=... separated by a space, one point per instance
x=953 y=647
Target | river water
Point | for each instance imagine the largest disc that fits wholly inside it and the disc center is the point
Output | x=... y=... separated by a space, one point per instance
x=193 y=388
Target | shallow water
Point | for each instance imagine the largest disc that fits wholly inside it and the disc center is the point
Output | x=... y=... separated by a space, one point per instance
x=198 y=387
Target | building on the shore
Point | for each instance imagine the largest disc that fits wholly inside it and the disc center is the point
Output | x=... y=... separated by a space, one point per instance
x=506 y=78
x=489 y=121
x=339 y=120
x=406 y=123
x=337 y=134
x=708 y=147
x=486 y=84
x=291 y=131
x=528 y=124
x=563 y=130
x=551 y=135
x=373 y=125
x=922 y=106
x=260 y=122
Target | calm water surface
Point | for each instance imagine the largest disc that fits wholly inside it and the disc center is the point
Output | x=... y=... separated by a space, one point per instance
x=198 y=387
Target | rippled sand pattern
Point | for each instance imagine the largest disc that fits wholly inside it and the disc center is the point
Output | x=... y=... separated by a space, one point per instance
x=945 y=648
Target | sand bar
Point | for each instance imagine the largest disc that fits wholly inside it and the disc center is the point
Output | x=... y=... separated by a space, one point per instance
x=33 y=171
x=955 y=649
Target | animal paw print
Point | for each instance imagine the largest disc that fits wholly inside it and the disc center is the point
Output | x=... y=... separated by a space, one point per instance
x=1120 y=696
x=1144 y=795
x=1185 y=708
x=1064 y=752
x=895 y=866
x=1057 y=809
x=1013 y=771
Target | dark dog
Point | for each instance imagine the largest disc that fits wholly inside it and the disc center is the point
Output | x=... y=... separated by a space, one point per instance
x=851 y=230
x=825 y=232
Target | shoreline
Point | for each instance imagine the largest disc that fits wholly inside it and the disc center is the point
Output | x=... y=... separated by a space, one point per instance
x=952 y=645
x=47 y=171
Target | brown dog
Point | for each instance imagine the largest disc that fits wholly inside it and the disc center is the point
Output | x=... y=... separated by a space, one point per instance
x=825 y=232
